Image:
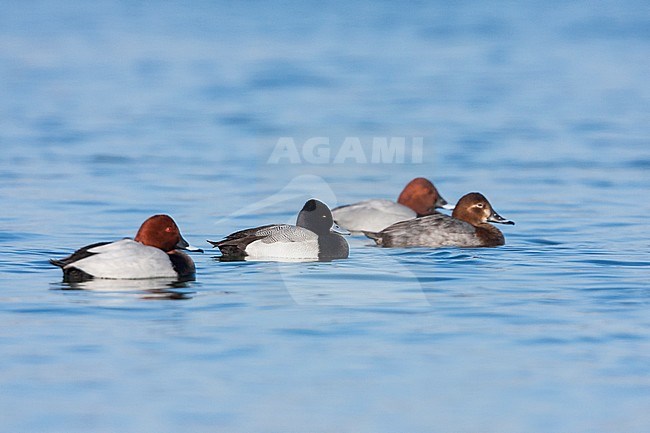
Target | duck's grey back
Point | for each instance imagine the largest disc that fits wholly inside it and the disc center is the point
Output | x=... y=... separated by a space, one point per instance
x=436 y=230
x=285 y=233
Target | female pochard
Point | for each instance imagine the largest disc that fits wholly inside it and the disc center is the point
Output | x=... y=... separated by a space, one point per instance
x=468 y=226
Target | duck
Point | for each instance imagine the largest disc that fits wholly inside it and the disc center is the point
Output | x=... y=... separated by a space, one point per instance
x=468 y=226
x=418 y=198
x=153 y=253
x=314 y=237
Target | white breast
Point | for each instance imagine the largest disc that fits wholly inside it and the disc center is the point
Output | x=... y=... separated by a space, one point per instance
x=371 y=215
x=126 y=259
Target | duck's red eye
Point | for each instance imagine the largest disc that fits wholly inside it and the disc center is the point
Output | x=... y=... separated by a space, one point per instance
x=168 y=229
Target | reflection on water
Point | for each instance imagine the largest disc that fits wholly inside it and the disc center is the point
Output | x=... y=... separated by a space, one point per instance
x=152 y=288
x=267 y=259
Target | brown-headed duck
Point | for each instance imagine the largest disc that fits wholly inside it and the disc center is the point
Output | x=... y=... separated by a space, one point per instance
x=418 y=198
x=468 y=226
x=154 y=253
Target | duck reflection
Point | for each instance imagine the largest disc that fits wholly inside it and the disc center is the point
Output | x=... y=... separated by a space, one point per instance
x=147 y=289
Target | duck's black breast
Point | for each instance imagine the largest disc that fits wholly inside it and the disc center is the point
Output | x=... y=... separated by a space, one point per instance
x=182 y=263
x=332 y=246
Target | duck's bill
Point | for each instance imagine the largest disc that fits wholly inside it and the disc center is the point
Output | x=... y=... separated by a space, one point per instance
x=184 y=245
x=441 y=203
x=339 y=230
x=496 y=218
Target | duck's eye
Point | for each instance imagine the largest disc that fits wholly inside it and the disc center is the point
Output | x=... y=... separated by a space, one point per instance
x=479 y=205
x=168 y=229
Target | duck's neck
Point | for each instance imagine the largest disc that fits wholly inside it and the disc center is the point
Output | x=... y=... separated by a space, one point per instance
x=489 y=235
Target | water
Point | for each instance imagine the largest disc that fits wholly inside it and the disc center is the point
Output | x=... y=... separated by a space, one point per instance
x=113 y=111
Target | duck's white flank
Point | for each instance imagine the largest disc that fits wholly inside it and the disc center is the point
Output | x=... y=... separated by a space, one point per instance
x=371 y=215
x=126 y=259
x=284 y=241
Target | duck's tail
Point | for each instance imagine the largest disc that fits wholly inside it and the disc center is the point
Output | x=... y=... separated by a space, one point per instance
x=375 y=236
x=231 y=249
x=59 y=263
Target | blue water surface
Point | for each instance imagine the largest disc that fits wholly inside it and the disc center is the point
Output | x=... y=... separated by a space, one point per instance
x=113 y=111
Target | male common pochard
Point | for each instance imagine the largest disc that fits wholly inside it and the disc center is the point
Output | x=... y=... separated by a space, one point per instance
x=152 y=254
x=419 y=198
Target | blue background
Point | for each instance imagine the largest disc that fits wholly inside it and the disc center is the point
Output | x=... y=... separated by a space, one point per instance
x=113 y=111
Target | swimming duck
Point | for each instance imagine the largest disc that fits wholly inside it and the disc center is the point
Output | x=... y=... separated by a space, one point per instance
x=468 y=226
x=419 y=198
x=153 y=253
x=314 y=237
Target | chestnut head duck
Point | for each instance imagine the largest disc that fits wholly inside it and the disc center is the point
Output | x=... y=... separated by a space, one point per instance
x=418 y=198
x=153 y=253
